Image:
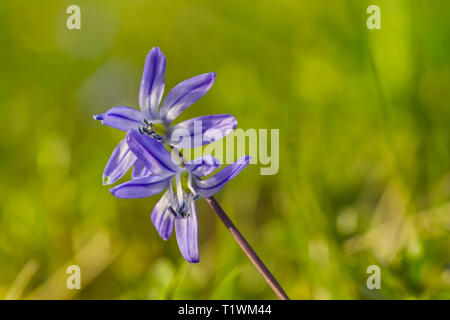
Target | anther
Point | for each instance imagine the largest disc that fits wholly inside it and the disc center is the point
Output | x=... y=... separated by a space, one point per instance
x=184 y=214
x=148 y=129
x=172 y=211
x=156 y=136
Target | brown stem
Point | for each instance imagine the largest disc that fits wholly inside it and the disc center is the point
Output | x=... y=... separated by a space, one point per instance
x=251 y=254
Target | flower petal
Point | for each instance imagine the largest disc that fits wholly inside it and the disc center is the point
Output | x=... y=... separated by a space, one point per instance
x=139 y=170
x=122 y=118
x=210 y=186
x=186 y=230
x=185 y=94
x=142 y=187
x=152 y=84
x=161 y=217
x=199 y=131
x=202 y=166
x=118 y=164
x=152 y=154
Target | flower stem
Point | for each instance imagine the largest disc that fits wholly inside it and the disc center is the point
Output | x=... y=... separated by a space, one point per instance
x=251 y=254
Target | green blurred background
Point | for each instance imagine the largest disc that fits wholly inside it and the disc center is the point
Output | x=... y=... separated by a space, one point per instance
x=364 y=147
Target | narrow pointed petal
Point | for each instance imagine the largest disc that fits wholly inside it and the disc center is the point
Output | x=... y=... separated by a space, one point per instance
x=184 y=95
x=202 y=166
x=139 y=170
x=162 y=219
x=119 y=163
x=141 y=188
x=152 y=154
x=199 y=131
x=210 y=186
x=152 y=84
x=186 y=230
x=122 y=118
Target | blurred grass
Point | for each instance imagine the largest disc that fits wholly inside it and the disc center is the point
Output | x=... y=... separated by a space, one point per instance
x=364 y=147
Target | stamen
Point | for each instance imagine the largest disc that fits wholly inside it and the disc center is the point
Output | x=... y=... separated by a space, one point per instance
x=183 y=198
x=179 y=189
x=186 y=206
x=191 y=187
x=171 y=190
x=181 y=208
x=157 y=137
x=173 y=203
x=184 y=214
x=147 y=128
x=172 y=211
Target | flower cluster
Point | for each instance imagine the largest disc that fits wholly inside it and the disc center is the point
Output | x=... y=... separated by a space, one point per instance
x=155 y=168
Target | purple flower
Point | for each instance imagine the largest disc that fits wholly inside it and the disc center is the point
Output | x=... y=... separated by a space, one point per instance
x=155 y=121
x=183 y=184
